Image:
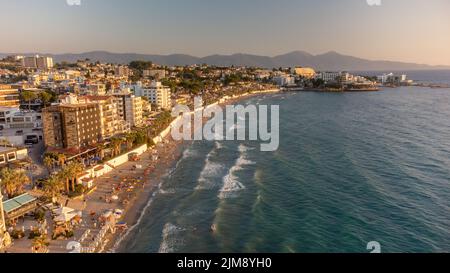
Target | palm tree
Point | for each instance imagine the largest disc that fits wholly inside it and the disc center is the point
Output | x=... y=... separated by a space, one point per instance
x=75 y=169
x=28 y=96
x=53 y=186
x=13 y=181
x=130 y=138
x=64 y=175
x=116 y=144
x=49 y=163
x=61 y=159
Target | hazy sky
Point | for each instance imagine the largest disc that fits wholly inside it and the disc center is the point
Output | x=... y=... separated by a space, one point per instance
x=403 y=30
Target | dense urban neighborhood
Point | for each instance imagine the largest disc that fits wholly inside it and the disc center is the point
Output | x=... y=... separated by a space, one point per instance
x=67 y=128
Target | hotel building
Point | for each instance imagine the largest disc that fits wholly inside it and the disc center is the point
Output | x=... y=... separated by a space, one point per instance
x=129 y=107
x=305 y=72
x=81 y=122
x=157 y=94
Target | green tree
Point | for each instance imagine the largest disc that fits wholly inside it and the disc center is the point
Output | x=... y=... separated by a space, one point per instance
x=13 y=181
x=28 y=96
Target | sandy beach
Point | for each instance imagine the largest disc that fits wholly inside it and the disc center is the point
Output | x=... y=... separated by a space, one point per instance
x=134 y=188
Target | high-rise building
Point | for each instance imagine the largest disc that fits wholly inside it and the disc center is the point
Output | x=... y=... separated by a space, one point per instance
x=158 y=95
x=9 y=97
x=82 y=121
x=129 y=107
x=29 y=62
x=37 y=61
x=44 y=62
x=69 y=126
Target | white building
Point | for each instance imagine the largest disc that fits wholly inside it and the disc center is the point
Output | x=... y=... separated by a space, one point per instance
x=156 y=93
x=329 y=76
x=44 y=62
x=37 y=62
x=284 y=80
x=130 y=107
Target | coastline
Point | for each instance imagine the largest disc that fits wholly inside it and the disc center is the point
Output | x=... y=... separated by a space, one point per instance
x=169 y=156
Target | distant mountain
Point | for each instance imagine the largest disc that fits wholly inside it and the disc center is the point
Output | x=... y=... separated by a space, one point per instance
x=328 y=61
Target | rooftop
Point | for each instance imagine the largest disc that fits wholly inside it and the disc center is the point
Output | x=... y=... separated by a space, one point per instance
x=17 y=202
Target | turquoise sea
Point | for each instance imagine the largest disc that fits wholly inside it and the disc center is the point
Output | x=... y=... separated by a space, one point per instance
x=351 y=168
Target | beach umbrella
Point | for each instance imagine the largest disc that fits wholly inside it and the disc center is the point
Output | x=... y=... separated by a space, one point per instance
x=74 y=247
x=63 y=210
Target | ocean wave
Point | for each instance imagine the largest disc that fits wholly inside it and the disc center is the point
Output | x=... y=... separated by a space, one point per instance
x=138 y=222
x=170 y=238
x=231 y=184
x=167 y=191
x=210 y=170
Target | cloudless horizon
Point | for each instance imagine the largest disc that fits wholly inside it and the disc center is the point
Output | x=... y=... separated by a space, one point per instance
x=399 y=30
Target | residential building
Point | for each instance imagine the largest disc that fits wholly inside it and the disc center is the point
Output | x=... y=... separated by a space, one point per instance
x=111 y=122
x=14 y=118
x=11 y=154
x=74 y=125
x=44 y=62
x=9 y=97
x=122 y=71
x=97 y=89
x=29 y=62
x=284 y=80
x=305 y=72
x=157 y=94
x=157 y=74
x=38 y=62
x=78 y=122
x=129 y=107
x=329 y=76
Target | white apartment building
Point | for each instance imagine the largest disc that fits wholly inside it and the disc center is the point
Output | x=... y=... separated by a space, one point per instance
x=156 y=93
x=44 y=62
x=329 y=76
x=129 y=107
x=284 y=80
x=37 y=62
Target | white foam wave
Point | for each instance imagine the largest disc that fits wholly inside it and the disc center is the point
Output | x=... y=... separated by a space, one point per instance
x=210 y=170
x=231 y=184
x=141 y=217
x=170 y=238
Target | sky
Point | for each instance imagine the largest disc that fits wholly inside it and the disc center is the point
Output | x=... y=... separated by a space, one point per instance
x=398 y=30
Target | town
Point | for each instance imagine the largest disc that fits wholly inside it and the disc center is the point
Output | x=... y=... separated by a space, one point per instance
x=66 y=128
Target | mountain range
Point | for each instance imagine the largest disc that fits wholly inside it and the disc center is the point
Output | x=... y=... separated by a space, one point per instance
x=329 y=61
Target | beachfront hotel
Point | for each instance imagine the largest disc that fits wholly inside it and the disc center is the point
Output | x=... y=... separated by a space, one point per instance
x=129 y=107
x=305 y=72
x=157 y=94
x=81 y=121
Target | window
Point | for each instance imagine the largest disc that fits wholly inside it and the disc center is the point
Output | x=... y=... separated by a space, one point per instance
x=2 y=159
x=11 y=156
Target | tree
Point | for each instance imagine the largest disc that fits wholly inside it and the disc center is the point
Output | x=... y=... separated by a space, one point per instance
x=61 y=159
x=130 y=138
x=28 y=96
x=49 y=163
x=53 y=186
x=116 y=144
x=64 y=175
x=13 y=181
x=74 y=170
x=46 y=98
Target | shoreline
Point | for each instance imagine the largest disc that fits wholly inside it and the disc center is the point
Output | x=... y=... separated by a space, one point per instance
x=169 y=158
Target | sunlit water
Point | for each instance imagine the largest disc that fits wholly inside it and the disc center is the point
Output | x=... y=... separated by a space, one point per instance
x=351 y=168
